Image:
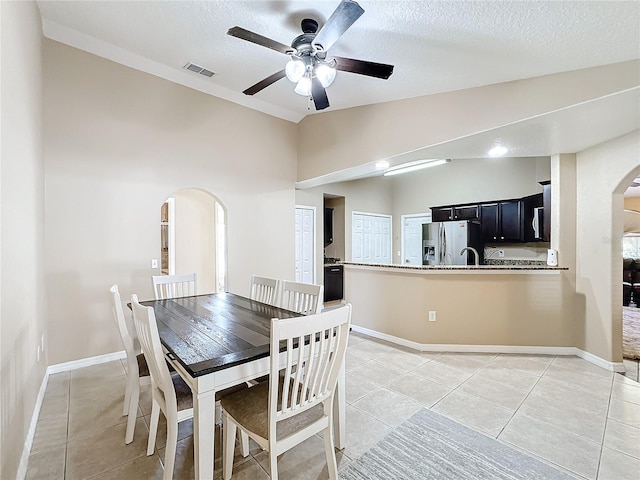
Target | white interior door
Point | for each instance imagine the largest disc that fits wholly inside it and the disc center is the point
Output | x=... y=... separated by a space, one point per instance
x=305 y=244
x=412 y=237
x=371 y=238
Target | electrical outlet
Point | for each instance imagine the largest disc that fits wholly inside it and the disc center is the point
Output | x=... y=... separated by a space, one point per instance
x=154 y=263
x=42 y=343
x=432 y=315
x=501 y=253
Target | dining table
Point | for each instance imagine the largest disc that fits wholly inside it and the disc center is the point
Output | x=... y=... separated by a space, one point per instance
x=220 y=340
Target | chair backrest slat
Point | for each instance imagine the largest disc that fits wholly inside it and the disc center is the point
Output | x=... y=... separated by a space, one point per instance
x=125 y=327
x=316 y=347
x=173 y=286
x=302 y=298
x=265 y=290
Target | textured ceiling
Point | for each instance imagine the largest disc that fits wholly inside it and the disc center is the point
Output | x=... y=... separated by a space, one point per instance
x=435 y=46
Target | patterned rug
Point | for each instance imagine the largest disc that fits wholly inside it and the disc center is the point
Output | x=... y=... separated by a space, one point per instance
x=631 y=333
x=430 y=446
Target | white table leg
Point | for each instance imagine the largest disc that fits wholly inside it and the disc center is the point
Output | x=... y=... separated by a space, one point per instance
x=340 y=405
x=203 y=433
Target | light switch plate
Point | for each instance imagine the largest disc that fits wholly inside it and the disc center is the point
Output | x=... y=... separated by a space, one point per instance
x=154 y=263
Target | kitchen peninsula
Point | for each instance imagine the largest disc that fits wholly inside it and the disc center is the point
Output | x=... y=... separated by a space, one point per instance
x=485 y=308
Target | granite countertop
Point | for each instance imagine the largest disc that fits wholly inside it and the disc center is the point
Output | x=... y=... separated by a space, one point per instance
x=531 y=267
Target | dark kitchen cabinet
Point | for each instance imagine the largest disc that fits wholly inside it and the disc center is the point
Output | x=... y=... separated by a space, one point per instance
x=453 y=213
x=333 y=283
x=328 y=226
x=501 y=221
x=546 y=202
x=441 y=214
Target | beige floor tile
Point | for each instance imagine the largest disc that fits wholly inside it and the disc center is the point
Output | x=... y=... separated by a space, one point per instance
x=370 y=348
x=625 y=390
x=51 y=431
x=497 y=393
x=438 y=373
x=401 y=360
x=576 y=364
x=618 y=466
x=185 y=429
x=357 y=387
x=147 y=468
x=377 y=372
x=363 y=432
x=47 y=465
x=531 y=364
x=420 y=389
x=88 y=417
x=104 y=450
x=468 y=361
x=580 y=397
x=355 y=337
x=623 y=438
x=354 y=359
x=624 y=412
x=89 y=389
x=102 y=370
x=307 y=461
x=556 y=445
x=513 y=378
x=474 y=412
x=389 y=407
x=565 y=416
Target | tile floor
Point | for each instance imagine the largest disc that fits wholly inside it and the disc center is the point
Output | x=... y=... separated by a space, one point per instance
x=563 y=410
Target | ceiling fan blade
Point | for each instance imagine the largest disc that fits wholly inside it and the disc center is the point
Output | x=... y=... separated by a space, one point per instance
x=319 y=94
x=258 y=39
x=362 y=67
x=634 y=184
x=264 y=83
x=340 y=20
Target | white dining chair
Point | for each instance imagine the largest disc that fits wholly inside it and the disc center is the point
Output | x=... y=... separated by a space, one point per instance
x=265 y=290
x=137 y=369
x=297 y=401
x=170 y=394
x=301 y=297
x=173 y=286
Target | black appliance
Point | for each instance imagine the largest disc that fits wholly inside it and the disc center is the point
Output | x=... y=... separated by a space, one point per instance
x=328 y=226
x=333 y=282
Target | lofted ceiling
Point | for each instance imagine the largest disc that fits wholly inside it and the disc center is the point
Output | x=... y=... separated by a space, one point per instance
x=435 y=46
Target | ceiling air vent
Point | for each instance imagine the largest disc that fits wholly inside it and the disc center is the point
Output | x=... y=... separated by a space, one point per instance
x=198 y=69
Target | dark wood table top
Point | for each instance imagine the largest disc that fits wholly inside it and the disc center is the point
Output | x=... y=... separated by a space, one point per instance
x=207 y=333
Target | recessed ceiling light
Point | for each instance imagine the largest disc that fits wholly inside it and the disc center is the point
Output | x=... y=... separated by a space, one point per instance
x=498 y=151
x=382 y=165
x=416 y=165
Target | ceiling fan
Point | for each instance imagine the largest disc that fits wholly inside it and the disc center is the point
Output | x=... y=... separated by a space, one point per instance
x=309 y=66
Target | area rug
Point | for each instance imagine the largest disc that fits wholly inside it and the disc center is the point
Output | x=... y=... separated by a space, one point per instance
x=631 y=333
x=430 y=446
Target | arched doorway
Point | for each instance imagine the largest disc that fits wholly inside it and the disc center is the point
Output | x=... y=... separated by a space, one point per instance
x=193 y=238
x=630 y=332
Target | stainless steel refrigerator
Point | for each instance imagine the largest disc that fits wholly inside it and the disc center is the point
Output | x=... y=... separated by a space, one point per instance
x=442 y=243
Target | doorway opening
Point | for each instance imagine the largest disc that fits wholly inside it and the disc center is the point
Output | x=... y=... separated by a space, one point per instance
x=411 y=237
x=193 y=234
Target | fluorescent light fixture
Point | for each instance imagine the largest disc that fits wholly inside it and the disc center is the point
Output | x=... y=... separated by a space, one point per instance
x=415 y=165
x=498 y=151
x=382 y=165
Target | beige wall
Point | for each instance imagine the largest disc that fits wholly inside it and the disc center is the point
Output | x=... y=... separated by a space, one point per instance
x=358 y=136
x=603 y=174
x=118 y=142
x=22 y=298
x=195 y=234
x=471 y=309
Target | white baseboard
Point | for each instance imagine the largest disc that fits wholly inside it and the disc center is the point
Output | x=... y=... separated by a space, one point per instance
x=523 y=349
x=85 y=362
x=58 y=368
x=28 y=443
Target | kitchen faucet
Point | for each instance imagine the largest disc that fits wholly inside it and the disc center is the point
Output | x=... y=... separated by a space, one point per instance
x=474 y=251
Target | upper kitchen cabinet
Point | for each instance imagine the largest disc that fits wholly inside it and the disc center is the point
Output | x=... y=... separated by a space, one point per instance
x=501 y=221
x=455 y=212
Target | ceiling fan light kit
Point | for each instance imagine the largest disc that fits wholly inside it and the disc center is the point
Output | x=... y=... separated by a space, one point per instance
x=308 y=66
